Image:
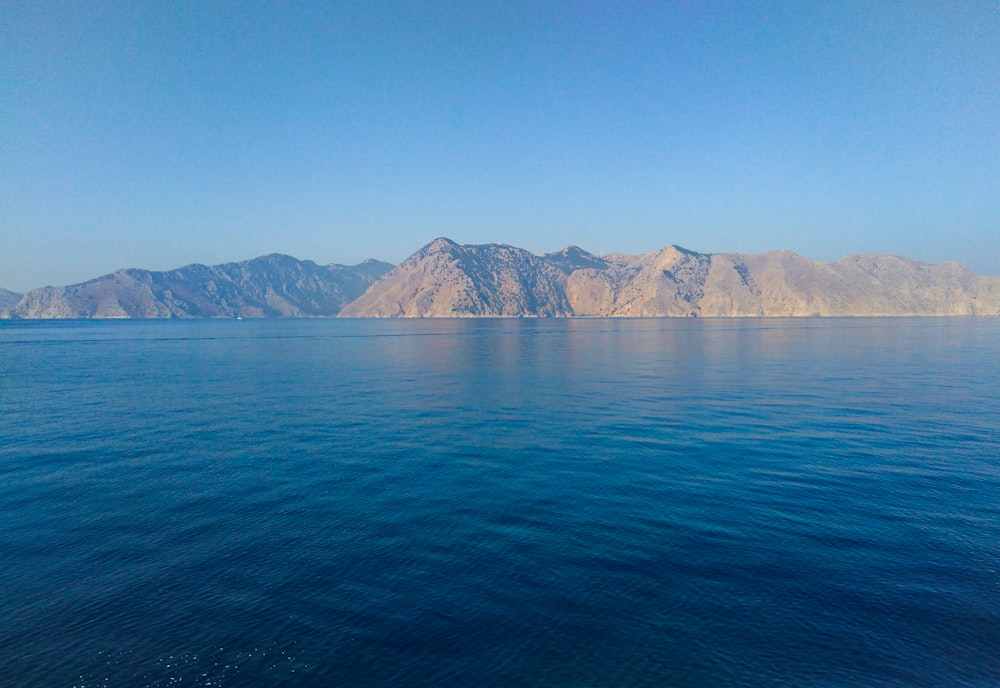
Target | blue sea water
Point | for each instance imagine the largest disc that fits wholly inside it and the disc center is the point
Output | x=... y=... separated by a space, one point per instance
x=500 y=503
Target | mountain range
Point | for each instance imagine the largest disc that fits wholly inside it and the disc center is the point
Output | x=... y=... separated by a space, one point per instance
x=269 y=286
x=446 y=279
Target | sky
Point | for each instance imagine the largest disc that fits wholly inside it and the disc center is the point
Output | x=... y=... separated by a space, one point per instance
x=156 y=134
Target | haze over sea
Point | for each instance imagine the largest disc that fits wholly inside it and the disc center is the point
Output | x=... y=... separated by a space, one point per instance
x=759 y=502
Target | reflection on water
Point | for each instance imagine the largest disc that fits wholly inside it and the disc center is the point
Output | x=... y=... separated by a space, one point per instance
x=497 y=502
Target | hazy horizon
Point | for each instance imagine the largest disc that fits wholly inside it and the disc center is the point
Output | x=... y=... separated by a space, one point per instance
x=394 y=263
x=164 y=134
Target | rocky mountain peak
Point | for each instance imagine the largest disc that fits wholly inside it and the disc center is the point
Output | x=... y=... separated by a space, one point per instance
x=447 y=279
x=501 y=280
x=439 y=245
x=574 y=258
x=275 y=285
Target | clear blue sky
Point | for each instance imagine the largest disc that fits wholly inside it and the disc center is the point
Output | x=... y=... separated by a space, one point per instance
x=155 y=134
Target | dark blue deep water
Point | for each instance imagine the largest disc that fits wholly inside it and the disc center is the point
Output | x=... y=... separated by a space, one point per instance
x=581 y=503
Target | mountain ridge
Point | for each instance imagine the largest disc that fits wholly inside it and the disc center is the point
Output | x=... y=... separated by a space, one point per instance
x=274 y=285
x=448 y=279
x=8 y=299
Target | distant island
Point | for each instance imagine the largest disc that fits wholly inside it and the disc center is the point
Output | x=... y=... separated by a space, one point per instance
x=446 y=279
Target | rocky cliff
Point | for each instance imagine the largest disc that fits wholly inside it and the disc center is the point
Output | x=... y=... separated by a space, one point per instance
x=270 y=286
x=445 y=279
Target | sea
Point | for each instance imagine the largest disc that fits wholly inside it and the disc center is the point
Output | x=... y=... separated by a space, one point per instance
x=500 y=502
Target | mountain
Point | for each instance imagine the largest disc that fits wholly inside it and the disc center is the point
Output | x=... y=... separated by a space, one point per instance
x=269 y=286
x=8 y=299
x=445 y=279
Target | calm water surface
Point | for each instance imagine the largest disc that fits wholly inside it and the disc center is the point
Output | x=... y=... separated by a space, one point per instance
x=500 y=503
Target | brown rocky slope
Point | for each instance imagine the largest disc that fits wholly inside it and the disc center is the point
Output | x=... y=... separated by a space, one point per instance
x=269 y=286
x=445 y=279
